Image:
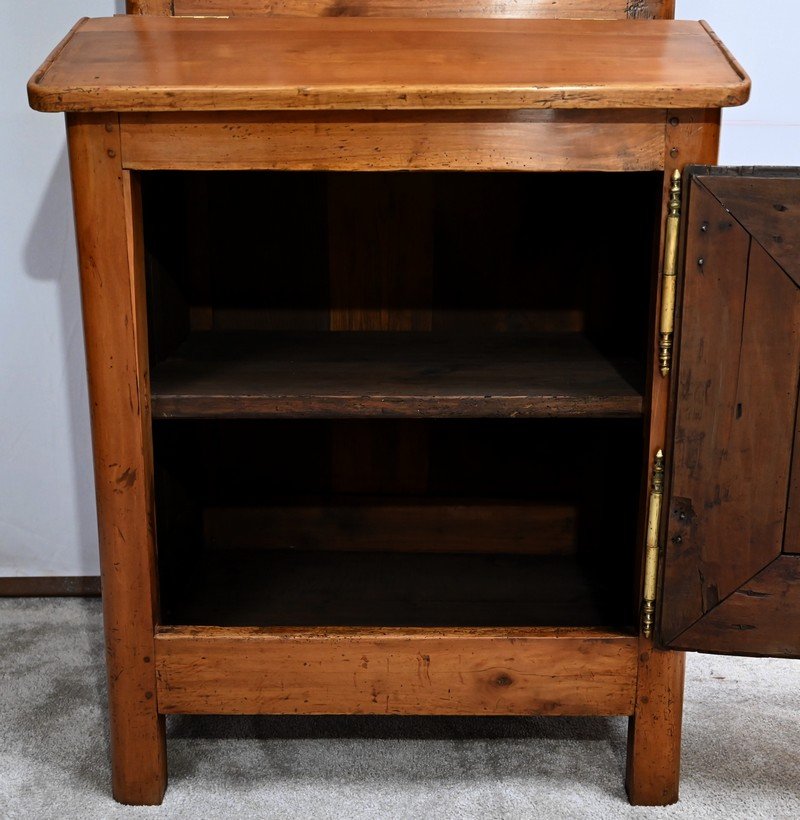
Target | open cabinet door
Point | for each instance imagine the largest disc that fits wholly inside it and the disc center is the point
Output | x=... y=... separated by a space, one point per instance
x=731 y=558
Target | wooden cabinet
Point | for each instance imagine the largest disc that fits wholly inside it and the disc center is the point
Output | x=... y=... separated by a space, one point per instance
x=372 y=441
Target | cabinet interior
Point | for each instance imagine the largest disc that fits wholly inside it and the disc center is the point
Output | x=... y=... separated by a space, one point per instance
x=398 y=399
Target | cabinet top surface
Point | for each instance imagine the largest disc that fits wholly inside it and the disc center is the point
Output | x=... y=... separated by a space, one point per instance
x=240 y=64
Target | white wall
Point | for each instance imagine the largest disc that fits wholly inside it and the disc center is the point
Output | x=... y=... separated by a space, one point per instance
x=47 y=523
x=763 y=34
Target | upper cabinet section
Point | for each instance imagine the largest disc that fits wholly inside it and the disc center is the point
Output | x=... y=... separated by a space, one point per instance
x=139 y=63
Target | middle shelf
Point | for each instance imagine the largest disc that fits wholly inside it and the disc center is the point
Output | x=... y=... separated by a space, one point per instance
x=393 y=374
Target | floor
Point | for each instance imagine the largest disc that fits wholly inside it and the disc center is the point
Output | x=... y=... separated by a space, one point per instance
x=741 y=750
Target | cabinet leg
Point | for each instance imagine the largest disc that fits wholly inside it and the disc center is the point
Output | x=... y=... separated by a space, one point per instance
x=108 y=220
x=138 y=749
x=654 y=731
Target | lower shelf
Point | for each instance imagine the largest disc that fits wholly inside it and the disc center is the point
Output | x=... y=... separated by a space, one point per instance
x=379 y=589
x=211 y=670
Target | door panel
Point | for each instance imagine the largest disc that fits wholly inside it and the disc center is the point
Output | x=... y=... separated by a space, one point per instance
x=760 y=618
x=768 y=208
x=733 y=501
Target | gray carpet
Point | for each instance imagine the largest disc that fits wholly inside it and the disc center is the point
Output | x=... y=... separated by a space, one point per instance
x=741 y=751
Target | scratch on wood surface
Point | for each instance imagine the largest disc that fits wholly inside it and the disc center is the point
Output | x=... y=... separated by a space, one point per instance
x=424 y=667
x=751 y=593
x=128 y=478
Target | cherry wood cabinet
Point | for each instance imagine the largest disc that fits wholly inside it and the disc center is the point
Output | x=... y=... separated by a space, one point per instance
x=433 y=367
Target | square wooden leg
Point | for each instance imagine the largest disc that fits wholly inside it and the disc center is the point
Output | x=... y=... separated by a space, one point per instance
x=138 y=747
x=654 y=730
x=107 y=214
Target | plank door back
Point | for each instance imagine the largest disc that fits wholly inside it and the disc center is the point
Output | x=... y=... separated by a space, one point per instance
x=731 y=576
x=579 y=9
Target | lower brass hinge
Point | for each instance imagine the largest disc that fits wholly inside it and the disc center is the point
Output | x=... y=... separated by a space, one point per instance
x=652 y=546
x=670 y=276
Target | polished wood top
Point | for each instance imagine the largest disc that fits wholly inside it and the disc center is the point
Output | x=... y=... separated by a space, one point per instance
x=257 y=63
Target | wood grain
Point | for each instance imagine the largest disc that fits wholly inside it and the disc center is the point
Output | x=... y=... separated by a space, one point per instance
x=725 y=295
x=108 y=222
x=759 y=618
x=153 y=63
x=553 y=140
x=766 y=203
x=738 y=533
x=400 y=672
x=386 y=374
x=690 y=136
x=564 y=9
x=379 y=280
x=737 y=398
x=654 y=730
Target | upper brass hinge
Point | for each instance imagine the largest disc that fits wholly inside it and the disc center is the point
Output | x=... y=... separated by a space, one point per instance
x=669 y=276
x=652 y=546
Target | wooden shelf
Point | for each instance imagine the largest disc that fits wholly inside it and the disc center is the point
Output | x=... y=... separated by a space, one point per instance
x=413 y=375
x=332 y=588
x=245 y=64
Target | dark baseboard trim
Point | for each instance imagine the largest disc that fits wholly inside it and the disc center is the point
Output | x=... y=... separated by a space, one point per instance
x=51 y=586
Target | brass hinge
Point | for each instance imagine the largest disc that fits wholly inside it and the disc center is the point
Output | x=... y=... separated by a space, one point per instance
x=669 y=276
x=651 y=546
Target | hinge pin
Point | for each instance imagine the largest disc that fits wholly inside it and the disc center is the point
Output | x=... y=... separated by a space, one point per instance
x=669 y=276
x=651 y=546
